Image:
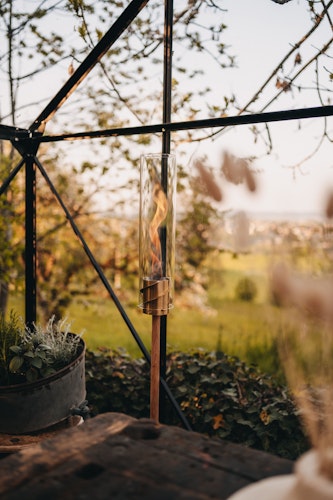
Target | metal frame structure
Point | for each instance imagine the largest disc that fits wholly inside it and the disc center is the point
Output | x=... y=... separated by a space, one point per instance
x=27 y=142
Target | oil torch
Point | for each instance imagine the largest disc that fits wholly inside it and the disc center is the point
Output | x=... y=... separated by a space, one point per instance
x=156 y=252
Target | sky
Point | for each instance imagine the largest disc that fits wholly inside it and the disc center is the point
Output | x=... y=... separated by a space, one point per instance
x=259 y=34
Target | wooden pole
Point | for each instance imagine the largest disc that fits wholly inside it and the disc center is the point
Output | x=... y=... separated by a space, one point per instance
x=155 y=369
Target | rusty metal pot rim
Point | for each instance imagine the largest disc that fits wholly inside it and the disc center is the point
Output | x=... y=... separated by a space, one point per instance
x=46 y=380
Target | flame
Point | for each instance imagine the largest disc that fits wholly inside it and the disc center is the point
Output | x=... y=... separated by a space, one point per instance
x=161 y=204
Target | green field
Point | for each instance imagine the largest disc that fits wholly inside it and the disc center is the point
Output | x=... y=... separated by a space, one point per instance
x=247 y=330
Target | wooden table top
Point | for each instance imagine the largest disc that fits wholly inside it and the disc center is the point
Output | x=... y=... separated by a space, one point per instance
x=114 y=456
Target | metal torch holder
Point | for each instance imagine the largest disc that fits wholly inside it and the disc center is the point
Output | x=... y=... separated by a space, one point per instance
x=155 y=296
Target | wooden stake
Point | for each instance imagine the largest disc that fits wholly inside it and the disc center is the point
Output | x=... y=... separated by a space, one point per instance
x=155 y=369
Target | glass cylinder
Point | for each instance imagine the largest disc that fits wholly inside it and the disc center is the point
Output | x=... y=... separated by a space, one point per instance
x=157 y=232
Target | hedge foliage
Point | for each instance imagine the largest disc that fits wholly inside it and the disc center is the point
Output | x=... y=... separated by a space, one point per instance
x=220 y=396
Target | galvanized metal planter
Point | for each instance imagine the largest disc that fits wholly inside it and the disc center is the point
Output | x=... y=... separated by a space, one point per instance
x=37 y=405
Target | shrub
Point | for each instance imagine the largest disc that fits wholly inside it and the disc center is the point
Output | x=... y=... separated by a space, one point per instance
x=117 y=383
x=220 y=396
x=246 y=290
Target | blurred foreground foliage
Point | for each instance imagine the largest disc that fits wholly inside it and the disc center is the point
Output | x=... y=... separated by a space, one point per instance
x=220 y=395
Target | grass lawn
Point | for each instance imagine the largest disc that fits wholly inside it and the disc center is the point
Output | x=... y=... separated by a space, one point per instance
x=247 y=330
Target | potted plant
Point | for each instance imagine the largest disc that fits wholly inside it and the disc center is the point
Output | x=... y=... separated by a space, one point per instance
x=42 y=374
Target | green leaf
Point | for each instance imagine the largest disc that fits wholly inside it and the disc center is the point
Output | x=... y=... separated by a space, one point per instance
x=36 y=362
x=45 y=347
x=193 y=369
x=29 y=354
x=32 y=375
x=16 y=349
x=245 y=422
x=182 y=389
x=46 y=372
x=15 y=363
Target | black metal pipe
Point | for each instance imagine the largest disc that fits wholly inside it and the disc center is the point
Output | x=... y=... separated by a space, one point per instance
x=166 y=139
x=30 y=242
x=167 y=73
x=225 y=121
x=174 y=403
x=7 y=132
x=119 y=26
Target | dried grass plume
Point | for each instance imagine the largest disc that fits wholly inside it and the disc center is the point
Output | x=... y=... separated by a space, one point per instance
x=208 y=181
x=237 y=171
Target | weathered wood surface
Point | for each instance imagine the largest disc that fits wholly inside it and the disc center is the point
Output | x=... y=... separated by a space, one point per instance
x=117 y=457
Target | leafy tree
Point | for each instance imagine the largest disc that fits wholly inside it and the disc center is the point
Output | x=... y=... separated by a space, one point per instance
x=194 y=232
x=23 y=38
x=11 y=233
x=64 y=270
